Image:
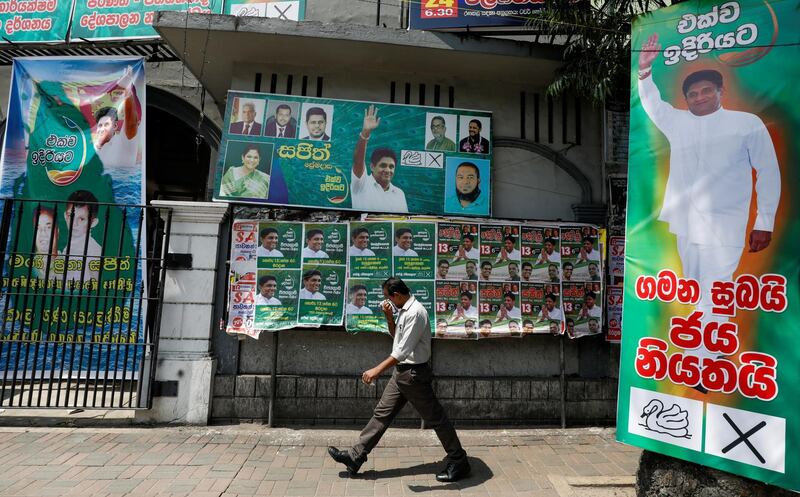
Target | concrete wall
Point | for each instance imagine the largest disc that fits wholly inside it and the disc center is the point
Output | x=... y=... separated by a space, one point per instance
x=354 y=12
x=506 y=380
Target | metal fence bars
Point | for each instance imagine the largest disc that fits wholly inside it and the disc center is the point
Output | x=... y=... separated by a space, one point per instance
x=81 y=292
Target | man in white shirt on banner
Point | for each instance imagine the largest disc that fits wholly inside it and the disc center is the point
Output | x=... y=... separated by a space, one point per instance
x=314 y=241
x=713 y=153
x=550 y=311
x=312 y=281
x=269 y=243
x=375 y=192
x=360 y=243
x=508 y=310
x=267 y=285
x=358 y=301
x=590 y=308
x=587 y=252
x=548 y=253
x=467 y=250
x=403 y=239
x=508 y=252
x=465 y=310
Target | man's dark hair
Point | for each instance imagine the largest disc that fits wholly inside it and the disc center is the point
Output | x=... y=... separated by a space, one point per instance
x=283 y=107
x=401 y=232
x=355 y=288
x=266 y=278
x=592 y=319
x=396 y=285
x=551 y=241
x=266 y=231
x=508 y=295
x=467 y=294
x=82 y=198
x=514 y=321
x=527 y=322
x=358 y=231
x=486 y=263
x=509 y=238
x=588 y=239
x=527 y=264
x=570 y=321
x=486 y=321
x=550 y=296
x=473 y=166
x=468 y=236
x=312 y=233
x=592 y=264
x=710 y=75
x=440 y=118
x=381 y=152
x=316 y=111
x=443 y=262
x=476 y=121
x=567 y=264
x=471 y=321
x=310 y=274
x=106 y=112
x=510 y=263
x=590 y=294
x=552 y=264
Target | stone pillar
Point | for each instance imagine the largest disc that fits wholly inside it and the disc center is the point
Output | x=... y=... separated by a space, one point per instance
x=184 y=349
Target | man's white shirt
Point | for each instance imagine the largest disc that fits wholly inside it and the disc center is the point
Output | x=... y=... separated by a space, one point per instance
x=512 y=256
x=594 y=255
x=594 y=312
x=263 y=252
x=708 y=193
x=398 y=252
x=469 y=313
x=554 y=257
x=554 y=315
x=119 y=152
x=472 y=253
x=305 y=294
x=355 y=251
x=353 y=309
x=314 y=254
x=262 y=300
x=512 y=313
x=368 y=195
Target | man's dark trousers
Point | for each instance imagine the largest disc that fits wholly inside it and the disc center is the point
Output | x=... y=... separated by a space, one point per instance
x=409 y=384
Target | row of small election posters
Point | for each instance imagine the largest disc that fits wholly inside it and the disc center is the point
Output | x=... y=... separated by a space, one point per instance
x=476 y=280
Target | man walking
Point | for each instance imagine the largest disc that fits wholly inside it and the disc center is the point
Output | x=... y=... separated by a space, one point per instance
x=410 y=382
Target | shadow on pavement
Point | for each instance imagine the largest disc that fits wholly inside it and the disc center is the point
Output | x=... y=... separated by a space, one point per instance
x=479 y=475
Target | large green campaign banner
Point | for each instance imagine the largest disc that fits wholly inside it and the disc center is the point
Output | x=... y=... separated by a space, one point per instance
x=96 y=20
x=709 y=367
x=364 y=156
x=73 y=163
x=34 y=21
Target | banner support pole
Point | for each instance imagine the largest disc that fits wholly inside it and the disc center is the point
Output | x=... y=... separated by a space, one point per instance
x=273 y=380
x=563 y=381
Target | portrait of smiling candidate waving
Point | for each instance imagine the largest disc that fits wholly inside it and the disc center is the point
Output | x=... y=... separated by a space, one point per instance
x=713 y=153
x=375 y=192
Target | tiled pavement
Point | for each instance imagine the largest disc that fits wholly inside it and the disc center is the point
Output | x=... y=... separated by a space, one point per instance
x=253 y=460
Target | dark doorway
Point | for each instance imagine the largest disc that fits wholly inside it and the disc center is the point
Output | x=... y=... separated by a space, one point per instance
x=177 y=166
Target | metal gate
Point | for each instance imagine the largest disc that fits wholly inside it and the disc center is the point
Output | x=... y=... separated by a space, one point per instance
x=80 y=300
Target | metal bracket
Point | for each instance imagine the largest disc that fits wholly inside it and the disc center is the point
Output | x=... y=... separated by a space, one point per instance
x=178 y=261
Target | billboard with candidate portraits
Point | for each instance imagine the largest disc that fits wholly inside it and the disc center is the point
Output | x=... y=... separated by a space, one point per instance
x=362 y=156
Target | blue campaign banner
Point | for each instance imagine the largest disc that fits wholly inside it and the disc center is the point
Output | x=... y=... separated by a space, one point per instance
x=462 y=14
x=72 y=169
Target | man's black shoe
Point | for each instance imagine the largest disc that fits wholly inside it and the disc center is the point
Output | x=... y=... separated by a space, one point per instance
x=454 y=472
x=343 y=457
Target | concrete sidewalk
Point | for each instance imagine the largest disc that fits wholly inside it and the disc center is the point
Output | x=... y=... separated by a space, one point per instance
x=250 y=460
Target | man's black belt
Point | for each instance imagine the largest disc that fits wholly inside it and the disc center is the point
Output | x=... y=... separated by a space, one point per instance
x=406 y=367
